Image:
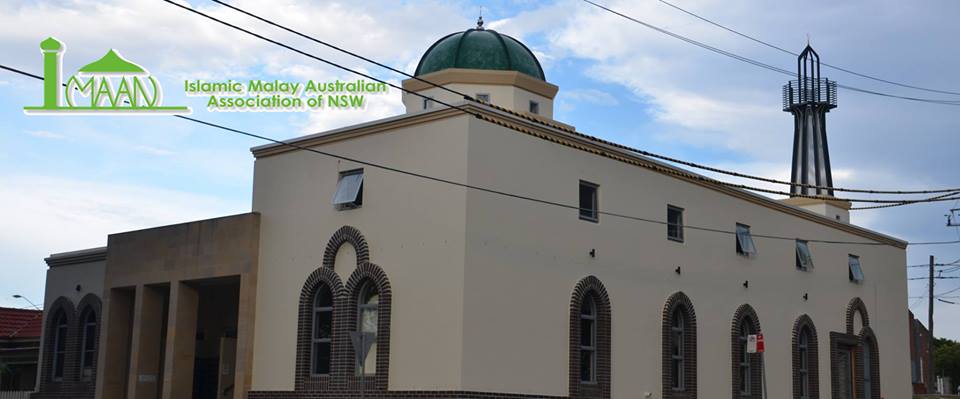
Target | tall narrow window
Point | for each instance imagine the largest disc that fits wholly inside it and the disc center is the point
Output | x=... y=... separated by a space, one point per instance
x=846 y=373
x=679 y=357
x=856 y=273
x=677 y=351
x=745 y=245
x=744 y=371
x=322 y=338
x=588 y=341
x=534 y=107
x=589 y=207
x=349 y=193
x=675 y=223
x=803 y=368
x=59 y=345
x=367 y=321
x=589 y=350
x=88 y=353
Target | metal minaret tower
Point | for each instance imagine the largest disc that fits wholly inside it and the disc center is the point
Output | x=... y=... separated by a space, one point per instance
x=809 y=98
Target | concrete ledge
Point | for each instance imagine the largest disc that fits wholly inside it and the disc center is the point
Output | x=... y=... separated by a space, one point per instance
x=77 y=257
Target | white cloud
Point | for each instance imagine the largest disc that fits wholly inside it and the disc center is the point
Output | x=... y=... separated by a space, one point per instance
x=43 y=134
x=47 y=215
x=591 y=96
x=153 y=150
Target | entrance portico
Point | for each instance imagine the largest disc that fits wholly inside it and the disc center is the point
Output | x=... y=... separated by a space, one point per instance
x=178 y=307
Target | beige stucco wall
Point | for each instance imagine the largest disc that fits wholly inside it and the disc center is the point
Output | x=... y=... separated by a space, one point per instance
x=414 y=228
x=63 y=281
x=524 y=259
x=510 y=97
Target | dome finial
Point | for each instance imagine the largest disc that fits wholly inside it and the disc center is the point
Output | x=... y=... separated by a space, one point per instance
x=480 y=20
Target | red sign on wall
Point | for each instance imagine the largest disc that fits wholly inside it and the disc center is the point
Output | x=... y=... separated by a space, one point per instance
x=755 y=343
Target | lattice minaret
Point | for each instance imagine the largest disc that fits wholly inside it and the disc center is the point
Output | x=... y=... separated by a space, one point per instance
x=809 y=98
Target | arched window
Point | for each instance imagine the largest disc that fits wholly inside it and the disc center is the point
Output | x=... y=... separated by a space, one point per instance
x=805 y=375
x=368 y=304
x=88 y=350
x=322 y=338
x=588 y=341
x=677 y=351
x=59 y=345
x=746 y=366
x=589 y=351
x=679 y=361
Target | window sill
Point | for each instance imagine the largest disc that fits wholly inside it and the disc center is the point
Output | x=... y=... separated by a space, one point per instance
x=590 y=219
x=675 y=239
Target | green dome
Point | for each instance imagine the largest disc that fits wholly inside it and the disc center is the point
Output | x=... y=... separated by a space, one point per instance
x=480 y=49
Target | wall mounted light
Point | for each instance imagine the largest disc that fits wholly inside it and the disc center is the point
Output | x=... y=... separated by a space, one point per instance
x=677 y=270
x=805 y=296
x=593 y=252
x=746 y=283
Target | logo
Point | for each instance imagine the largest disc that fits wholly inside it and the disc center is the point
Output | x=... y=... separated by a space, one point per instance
x=111 y=85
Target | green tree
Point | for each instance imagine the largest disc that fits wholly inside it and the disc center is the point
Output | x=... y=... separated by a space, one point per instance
x=946 y=359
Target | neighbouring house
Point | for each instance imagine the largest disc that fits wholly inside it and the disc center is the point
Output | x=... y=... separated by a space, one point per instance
x=423 y=280
x=921 y=357
x=19 y=349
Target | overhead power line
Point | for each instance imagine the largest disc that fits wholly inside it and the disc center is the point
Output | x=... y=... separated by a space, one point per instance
x=762 y=64
x=641 y=152
x=768 y=44
x=935 y=278
x=493 y=191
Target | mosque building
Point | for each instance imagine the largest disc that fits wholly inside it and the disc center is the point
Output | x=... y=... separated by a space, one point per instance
x=350 y=280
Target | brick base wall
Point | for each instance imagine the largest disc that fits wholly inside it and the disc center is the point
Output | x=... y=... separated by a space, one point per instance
x=392 y=395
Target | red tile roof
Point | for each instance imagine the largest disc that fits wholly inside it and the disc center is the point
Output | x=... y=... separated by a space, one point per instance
x=20 y=323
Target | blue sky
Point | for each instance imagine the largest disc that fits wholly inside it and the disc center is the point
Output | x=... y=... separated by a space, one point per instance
x=67 y=182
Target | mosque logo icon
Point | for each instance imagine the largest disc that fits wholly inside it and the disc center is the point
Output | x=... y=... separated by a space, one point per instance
x=111 y=85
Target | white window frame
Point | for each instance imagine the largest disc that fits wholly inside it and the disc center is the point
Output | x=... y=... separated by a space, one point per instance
x=679 y=236
x=745 y=245
x=855 y=270
x=804 y=257
x=349 y=201
x=595 y=210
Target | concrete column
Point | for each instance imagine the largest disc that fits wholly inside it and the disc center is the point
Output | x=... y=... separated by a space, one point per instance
x=246 y=307
x=143 y=382
x=181 y=341
x=112 y=365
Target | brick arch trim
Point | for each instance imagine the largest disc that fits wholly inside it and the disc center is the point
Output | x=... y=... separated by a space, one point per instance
x=346 y=234
x=303 y=380
x=866 y=334
x=813 y=369
x=681 y=301
x=590 y=285
x=856 y=305
x=47 y=383
x=367 y=272
x=743 y=311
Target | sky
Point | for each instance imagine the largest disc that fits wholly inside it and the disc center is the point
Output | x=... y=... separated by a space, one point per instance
x=68 y=182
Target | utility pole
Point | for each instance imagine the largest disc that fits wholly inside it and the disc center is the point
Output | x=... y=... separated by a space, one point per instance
x=930 y=321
